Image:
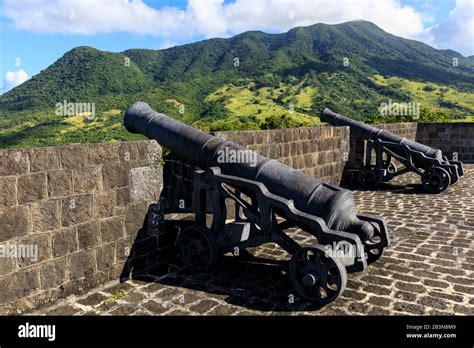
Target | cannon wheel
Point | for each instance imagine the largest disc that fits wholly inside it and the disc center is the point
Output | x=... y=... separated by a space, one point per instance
x=369 y=177
x=317 y=276
x=197 y=247
x=435 y=180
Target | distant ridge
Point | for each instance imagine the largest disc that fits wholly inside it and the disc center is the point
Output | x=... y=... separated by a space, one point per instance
x=346 y=67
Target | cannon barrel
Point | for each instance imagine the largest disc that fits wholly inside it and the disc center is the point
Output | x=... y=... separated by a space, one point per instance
x=333 y=204
x=371 y=133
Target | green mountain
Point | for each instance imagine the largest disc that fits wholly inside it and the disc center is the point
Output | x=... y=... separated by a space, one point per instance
x=251 y=81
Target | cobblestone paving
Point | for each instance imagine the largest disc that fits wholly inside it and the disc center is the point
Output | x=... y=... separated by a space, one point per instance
x=427 y=270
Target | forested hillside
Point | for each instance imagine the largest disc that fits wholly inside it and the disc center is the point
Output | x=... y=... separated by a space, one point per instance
x=251 y=81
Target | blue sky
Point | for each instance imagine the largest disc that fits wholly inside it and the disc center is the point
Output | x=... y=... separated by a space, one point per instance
x=36 y=33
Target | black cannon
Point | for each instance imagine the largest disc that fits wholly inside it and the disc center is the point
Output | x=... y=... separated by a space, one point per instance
x=270 y=198
x=436 y=171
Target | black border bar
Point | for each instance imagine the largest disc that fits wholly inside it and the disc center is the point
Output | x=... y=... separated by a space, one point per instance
x=263 y=330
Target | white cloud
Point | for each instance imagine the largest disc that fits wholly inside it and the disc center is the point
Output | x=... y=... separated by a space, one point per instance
x=390 y=15
x=211 y=18
x=162 y=45
x=208 y=18
x=14 y=78
x=457 y=30
x=90 y=16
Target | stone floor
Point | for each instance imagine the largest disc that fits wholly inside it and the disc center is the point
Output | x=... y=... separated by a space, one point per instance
x=427 y=270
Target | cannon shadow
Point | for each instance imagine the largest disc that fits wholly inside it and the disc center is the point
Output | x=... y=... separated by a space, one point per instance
x=247 y=281
x=250 y=282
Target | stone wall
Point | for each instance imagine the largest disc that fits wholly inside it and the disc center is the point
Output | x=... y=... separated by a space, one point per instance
x=406 y=129
x=81 y=206
x=451 y=138
x=84 y=206
x=320 y=151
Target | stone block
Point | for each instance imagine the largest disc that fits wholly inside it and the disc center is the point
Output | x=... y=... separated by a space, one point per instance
x=93 y=300
x=82 y=264
x=8 y=262
x=53 y=273
x=105 y=256
x=104 y=204
x=76 y=209
x=14 y=222
x=284 y=150
x=122 y=196
x=154 y=152
x=87 y=180
x=115 y=175
x=13 y=162
x=123 y=249
x=306 y=133
x=59 y=183
x=99 y=154
x=146 y=183
x=114 y=273
x=111 y=229
x=274 y=151
x=88 y=235
x=139 y=163
x=64 y=242
x=308 y=160
x=8 y=191
x=129 y=151
x=75 y=156
x=135 y=218
x=277 y=136
x=248 y=137
x=45 y=215
x=44 y=159
x=41 y=246
x=31 y=188
x=20 y=284
x=306 y=146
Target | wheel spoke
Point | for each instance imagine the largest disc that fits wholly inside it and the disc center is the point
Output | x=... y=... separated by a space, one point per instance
x=197 y=247
x=316 y=276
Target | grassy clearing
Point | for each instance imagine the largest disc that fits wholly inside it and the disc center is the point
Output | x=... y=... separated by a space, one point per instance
x=246 y=101
x=466 y=119
x=430 y=93
x=45 y=128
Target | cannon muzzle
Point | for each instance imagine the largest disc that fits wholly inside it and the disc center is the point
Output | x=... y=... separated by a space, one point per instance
x=185 y=141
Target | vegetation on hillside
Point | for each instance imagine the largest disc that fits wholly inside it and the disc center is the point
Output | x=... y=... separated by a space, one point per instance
x=251 y=81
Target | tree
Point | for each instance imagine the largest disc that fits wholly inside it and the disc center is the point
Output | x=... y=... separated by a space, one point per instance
x=278 y=122
x=429 y=114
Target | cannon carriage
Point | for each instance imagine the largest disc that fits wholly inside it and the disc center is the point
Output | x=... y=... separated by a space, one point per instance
x=269 y=198
x=436 y=171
